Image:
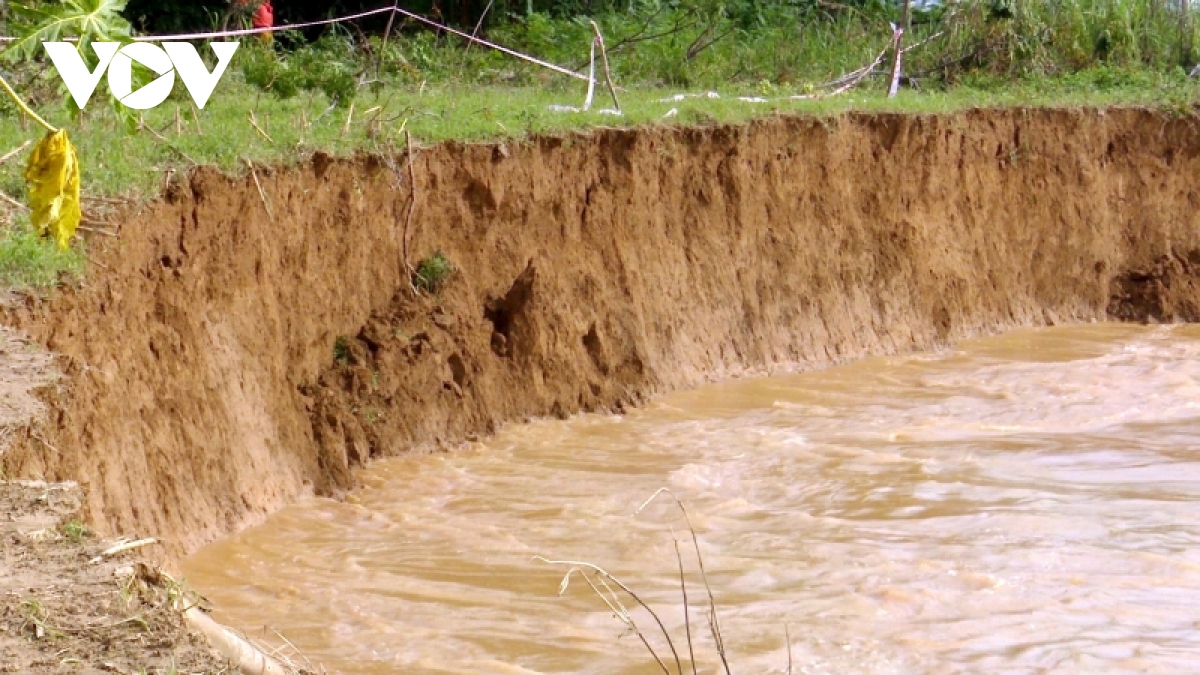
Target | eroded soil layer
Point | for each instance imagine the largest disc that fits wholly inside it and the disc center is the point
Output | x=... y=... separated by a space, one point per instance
x=238 y=352
x=72 y=605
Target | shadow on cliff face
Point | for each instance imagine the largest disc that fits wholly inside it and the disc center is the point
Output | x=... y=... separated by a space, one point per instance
x=1166 y=291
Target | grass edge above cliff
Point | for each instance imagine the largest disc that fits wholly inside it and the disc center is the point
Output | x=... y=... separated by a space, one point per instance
x=242 y=125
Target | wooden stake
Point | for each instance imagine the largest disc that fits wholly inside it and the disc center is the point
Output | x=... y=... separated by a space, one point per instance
x=478 y=25
x=897 y=36
x=612 y=89
x=387 y=32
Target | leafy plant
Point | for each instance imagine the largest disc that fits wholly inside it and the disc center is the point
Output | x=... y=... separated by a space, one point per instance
x=341 y=351
x=87 y=20
x=75 y=531
x=330 y=65
x=432 y=272
x=35 y=617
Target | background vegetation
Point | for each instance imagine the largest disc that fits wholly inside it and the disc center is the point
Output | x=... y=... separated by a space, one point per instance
x=754 y=47
x=708 y=42
x=359 y=85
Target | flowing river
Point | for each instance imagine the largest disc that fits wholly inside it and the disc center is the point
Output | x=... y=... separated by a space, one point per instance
x=1027 y=503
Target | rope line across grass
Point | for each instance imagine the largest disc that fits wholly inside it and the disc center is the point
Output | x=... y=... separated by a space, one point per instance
x=343 y=19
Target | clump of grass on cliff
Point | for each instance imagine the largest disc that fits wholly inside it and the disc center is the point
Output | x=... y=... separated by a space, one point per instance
x=433 y=272
x=29 y=262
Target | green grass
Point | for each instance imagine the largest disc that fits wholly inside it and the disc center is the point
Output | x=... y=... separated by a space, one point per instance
x=341 y=351
x=433 y=272
x=439 y=93
x=116 y=161
x=75 y=531
x=32 y=263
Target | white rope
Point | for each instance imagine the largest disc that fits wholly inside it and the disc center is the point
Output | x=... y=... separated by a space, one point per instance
x=254 y=31
x=485 y=43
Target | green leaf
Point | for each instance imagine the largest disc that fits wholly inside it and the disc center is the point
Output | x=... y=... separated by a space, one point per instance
x=87 y=20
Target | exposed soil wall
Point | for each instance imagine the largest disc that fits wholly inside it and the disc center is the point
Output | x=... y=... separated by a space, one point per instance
x=593 y=270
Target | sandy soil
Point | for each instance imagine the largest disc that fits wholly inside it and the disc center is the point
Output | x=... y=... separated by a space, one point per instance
x=67 y=608
x=65 y=605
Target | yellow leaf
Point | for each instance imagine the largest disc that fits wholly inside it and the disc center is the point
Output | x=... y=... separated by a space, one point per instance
x=52 y=176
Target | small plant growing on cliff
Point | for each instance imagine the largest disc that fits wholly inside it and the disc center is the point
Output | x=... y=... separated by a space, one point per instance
x=341 y=351
x=432 y=272
x=75 y=531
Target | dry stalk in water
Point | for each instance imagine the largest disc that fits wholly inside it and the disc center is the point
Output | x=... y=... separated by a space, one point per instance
x=687 y=620
x=713 y=624
x=614 y=603
x=787 y=634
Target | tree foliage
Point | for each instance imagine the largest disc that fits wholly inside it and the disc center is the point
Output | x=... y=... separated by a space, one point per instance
x=86 y=20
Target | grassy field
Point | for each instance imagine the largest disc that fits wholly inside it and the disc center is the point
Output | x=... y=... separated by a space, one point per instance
x=242 y=122
x=117 y=161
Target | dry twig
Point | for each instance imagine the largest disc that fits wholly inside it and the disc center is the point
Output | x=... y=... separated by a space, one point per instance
x=142 y=125
x=412 y=207
x=196 y=117
x=478 y=25
x=787 y=633
x=612 y=89
x=615 y=604
x=687 y=621
x=349 y=119
x=254 y=123
x=261 y=193
x=713 y=624
x=122 y=547
x=15 y=151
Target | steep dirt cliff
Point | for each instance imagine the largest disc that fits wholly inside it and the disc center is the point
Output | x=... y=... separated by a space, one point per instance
x=202 y=386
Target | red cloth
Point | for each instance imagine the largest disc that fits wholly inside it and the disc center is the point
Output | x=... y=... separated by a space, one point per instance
x=265 y=16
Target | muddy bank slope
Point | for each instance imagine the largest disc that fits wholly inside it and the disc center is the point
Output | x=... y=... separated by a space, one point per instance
x=231 y=359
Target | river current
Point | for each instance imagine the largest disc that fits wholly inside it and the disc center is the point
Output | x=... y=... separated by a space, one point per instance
x=1021 y=504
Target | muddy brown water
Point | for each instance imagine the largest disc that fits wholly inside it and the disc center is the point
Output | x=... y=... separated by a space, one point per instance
x=1025 y=503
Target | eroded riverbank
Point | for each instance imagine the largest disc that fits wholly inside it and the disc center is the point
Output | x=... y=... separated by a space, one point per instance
x=242 y=349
